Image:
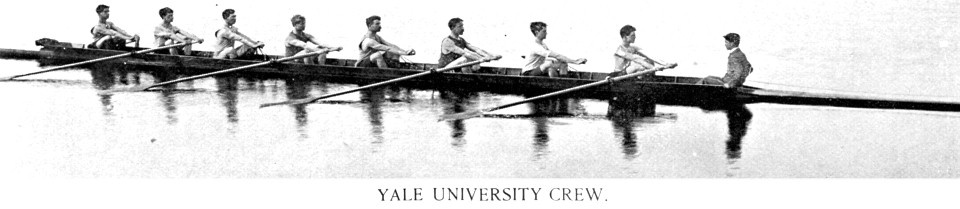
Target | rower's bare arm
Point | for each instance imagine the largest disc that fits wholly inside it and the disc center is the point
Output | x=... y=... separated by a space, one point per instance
x=567 y=59
x=245 y=40
x=124 y=34
x=660 y=62
x=387 y=48
x=482 y=52
x=301 y=44
x=111 y=33
x=453 y=48
x=324 y=46
x=191 y=36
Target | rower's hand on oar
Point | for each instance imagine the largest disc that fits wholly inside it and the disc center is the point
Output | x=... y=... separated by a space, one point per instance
x=496 y=57
x=411 y=52
x=337 y=49
x=671 y=65
x=259 y=45
x=580 y=61
x=135 y=38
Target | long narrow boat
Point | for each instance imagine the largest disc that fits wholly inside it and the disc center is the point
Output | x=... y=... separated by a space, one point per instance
x=670 y=90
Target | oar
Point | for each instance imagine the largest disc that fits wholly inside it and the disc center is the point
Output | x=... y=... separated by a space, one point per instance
x=477 y=113
x=314 y=99
x=98 y=60
x=144 y=88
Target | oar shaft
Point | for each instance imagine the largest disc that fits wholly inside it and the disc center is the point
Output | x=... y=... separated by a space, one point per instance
x=581 y=87
x=100 y=59
x=397 y=80
x=234 y=69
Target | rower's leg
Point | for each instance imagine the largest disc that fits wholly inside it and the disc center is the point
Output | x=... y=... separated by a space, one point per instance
x=562 y=69
x=380 y=59
x=547 y=67
x=322 y=59
x=637 y=68
x=104 y=42
x=461 y=60
x=173 y=51
x=243 y=50
x=226 y=53
x=554 y=67
x=188 y=50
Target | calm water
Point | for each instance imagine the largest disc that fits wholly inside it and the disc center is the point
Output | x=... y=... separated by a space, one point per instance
x=55 y=124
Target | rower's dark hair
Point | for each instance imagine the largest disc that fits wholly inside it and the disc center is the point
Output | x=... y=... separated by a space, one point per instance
x=165 y=11
x=626 y=30
x=537 y=26
x=371 y=19
x=733 y=38
x=453 y=22
x=102 y=7
x=297 y=19
x=227 y=12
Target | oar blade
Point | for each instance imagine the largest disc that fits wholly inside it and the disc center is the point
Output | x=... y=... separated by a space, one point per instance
x=461 y=116
x=289 y=102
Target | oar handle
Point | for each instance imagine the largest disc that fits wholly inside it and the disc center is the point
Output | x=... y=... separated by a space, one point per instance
x=618 y=78
x=236 y=69
x=100 y=60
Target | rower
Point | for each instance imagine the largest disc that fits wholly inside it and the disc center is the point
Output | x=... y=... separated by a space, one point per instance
x=167 y=34
x=106 y=35
x=541 y=60
x=228 y=35
x=377 y=52
x=737 y=65
x=629 y=58
x=455 y=50
x=299 y=42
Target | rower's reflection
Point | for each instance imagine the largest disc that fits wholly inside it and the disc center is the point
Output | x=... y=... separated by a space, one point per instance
x=297 y=89
x=227 y=91
x=455 y=101
x=625 y=112
x=104 y=79
x=167 y=96
x=738 y=118
x=373 y=99
x=624 y=130
x=542 y=110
